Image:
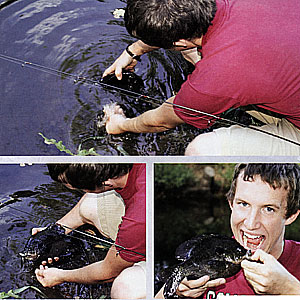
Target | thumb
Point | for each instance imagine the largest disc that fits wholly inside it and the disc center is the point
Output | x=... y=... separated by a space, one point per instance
x=39 y=272
x=260 y=255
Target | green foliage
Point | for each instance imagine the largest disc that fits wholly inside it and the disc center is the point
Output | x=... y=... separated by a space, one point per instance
x=14 y=293
x=172 y=176
x=59 y=145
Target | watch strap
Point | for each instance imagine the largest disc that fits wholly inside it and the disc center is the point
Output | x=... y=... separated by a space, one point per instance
x=137 y=57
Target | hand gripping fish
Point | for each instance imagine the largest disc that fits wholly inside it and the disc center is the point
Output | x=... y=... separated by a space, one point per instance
x=214 y=255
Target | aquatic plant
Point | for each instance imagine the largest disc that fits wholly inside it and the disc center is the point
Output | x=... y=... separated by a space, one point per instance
x=14 y=293
x=61 y=147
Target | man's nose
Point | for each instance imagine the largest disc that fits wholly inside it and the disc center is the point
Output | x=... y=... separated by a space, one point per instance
x=252 y=220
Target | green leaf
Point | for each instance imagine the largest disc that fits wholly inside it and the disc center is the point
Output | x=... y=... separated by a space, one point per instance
x=13 y=293
x=61 y=147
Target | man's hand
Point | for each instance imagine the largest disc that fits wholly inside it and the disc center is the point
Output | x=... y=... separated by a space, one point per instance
x=196 y=288
x=115 y=117
x=124 y=61
x=49 y=277
x=269 y=276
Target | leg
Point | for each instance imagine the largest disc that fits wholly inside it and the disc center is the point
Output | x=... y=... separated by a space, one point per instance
x=104 y=211
x=240 y=141
x=88 y=210
x=130 y=284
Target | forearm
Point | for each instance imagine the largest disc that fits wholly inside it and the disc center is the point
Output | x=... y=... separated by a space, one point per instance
x=73 y=218
x=160 y=294
x=155 y=120
x=91 y=274
x=144 y=123
x=103 y=271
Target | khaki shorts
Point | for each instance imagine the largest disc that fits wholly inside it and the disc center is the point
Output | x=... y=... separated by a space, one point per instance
x=111 y=209
x=241 y=141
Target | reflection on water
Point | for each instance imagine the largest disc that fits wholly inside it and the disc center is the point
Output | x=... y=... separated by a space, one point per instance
x=83 y=38
x=38 y=201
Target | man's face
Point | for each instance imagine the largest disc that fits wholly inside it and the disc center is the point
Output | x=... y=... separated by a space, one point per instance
x=258 y=216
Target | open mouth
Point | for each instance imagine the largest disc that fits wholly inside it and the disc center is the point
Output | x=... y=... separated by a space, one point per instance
x=251 y=241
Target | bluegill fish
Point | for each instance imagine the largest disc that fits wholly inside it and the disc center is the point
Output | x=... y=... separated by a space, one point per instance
x=214 y=255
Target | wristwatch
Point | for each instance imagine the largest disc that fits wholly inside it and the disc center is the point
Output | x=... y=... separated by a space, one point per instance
x=137 y=57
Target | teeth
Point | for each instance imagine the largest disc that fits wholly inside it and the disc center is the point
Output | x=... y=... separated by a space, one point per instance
x=252 y=236
x=247 y=236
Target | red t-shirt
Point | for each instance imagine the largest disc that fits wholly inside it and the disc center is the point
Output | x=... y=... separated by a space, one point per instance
x=251 y=55
x=238 y=285
x=132 y=230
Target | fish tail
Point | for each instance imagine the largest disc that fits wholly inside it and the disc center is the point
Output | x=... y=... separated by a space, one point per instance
x=172 y=283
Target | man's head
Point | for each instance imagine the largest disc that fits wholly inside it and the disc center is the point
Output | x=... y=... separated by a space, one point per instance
x=264 y=198
x=89 y=177
x=161 y=23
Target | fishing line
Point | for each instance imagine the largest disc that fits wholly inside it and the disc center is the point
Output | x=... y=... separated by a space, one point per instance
x=142 y=97
x=82 y=233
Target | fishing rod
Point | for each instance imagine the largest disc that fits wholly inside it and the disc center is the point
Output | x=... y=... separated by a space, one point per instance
x=81 y=233
x=187 y=110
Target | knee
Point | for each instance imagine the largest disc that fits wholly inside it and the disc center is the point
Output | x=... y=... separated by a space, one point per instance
x=88 y=209
x=203 y=145
x=130 y=284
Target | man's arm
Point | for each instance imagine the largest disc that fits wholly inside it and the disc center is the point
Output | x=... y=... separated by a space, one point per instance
x=103 y=271
x=269 y=276
x=72 y=219
x=155 y=120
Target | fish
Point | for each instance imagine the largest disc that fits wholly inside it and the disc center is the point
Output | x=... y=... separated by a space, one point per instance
x=214 y=255
x=52 y=242
x=130 y=82
x=72 y=252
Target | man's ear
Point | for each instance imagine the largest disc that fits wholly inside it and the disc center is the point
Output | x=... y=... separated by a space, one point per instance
x=292 y=218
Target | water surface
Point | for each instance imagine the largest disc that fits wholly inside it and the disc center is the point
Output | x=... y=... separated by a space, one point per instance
x=81 y=37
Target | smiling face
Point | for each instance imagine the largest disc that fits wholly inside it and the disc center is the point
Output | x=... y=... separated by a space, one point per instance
x=258 y=215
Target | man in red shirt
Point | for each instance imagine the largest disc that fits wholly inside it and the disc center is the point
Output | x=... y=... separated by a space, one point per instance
x=264 y=198
x=248 y=60
x=122 y=219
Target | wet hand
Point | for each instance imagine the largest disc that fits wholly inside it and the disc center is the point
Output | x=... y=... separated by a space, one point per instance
x=114 y=116
x=124 y=61
x=49 y=277
x=268 y=276
x=195 y=288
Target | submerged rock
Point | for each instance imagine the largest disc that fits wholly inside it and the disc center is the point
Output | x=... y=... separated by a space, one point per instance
x=212 y=254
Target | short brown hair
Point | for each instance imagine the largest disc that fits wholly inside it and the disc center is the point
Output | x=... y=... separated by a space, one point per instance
x=285 y=176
